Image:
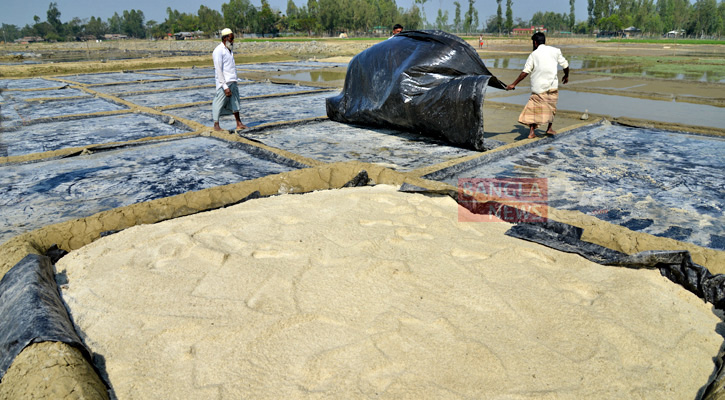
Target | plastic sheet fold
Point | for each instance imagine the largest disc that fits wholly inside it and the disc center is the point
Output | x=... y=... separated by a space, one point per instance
x=32 y=311
x=426 y=82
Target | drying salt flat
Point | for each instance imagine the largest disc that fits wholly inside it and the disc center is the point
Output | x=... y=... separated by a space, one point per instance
x=373 y=293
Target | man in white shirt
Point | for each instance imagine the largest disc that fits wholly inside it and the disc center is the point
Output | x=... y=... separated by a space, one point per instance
x=542 y=65
x=226 y=100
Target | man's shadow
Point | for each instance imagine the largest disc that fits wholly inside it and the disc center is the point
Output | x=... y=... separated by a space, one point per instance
x=521 y=130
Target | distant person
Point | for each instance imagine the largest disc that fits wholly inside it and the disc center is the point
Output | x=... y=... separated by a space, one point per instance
x=480 y=41
x=226 y=100
x=542 y=65
x=397 y=28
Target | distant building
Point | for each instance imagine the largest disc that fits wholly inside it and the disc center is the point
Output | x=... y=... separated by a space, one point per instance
x=631 y=32
x=114 y=36
x=188 y=35
x=529 y=31
x=29 y=39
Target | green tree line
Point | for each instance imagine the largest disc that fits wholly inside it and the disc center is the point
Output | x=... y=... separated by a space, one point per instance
x=702 y=18
x=698 y=19
x=316 y=17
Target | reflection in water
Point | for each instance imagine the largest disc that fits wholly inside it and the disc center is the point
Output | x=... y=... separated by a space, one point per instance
x=314 y=76
x=705 y=76
x=609 y=65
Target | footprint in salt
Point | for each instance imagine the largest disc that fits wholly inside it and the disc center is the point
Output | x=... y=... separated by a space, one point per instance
x=409 y=234
x=470 y=254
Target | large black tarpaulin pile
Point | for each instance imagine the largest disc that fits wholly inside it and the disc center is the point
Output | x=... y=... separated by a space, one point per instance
x=428 y=82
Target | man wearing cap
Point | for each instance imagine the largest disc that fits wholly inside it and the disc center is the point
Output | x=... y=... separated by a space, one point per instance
x=226 y=100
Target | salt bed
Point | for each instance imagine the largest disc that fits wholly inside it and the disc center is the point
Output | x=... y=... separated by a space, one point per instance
x=659 y=182
x=111 y=77
x=288 y=66
x=331 y=141
x=51 y=191
x=120 y=89
x=20 y=113
x=261 y=111
x=50 y=93
x=33 y=83
x=368 y=292
x=62 y=134
x=181 y=72
x=207 y=94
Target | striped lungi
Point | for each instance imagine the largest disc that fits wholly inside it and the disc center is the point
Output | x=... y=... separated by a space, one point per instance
x=540 y=108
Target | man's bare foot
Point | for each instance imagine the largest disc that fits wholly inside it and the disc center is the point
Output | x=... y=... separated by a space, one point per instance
x=217 y=127
x=241 y=126
x=532 y=136
x=551 y=132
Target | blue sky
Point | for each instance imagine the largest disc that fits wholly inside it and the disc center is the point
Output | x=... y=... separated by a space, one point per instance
x=21 y=12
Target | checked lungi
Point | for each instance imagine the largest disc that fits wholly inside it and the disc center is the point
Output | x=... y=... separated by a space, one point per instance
x=223 y=105
x=540 y=108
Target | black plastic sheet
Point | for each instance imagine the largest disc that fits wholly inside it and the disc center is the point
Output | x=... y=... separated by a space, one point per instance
x=31 y=310
x=427 y=82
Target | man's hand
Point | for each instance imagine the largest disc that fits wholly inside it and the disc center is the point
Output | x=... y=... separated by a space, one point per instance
x=228 y=92
x=521 y=77
x=565 y=79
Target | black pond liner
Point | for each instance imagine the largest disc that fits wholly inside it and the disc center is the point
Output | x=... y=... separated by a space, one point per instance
x=663 y=183
x=32 y=311
x=261 y=110
x=121 y=89
x=22 y=112
x=65 y=132
x=288 y=66
x=50 y=191
x=32 y=83
x=428 y=82
x=185 y=96
x=113 y=77
x=64 y=91
x=330 y=141
x=192 y=72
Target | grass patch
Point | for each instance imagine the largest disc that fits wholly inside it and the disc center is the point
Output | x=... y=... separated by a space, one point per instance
x=687 y=68
x=665 y=41
x=86 y=67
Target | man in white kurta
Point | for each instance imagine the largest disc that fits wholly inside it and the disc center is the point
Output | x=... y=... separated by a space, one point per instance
x=226 y=99
x=542 y=66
